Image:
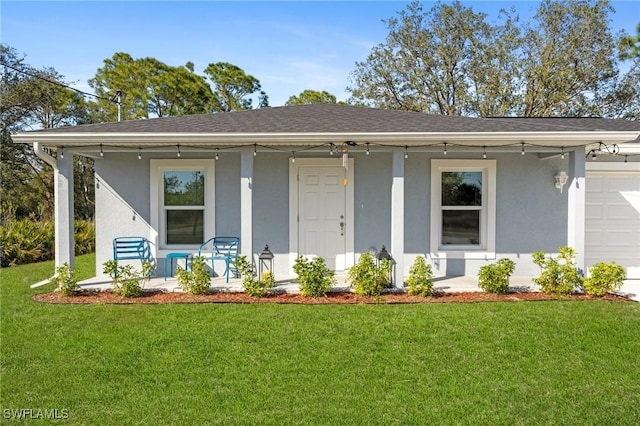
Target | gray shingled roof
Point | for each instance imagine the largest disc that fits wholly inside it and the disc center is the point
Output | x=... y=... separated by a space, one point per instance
x=337 y=118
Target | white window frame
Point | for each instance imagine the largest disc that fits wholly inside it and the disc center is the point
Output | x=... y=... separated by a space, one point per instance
x=487 y=247
x=158 y=218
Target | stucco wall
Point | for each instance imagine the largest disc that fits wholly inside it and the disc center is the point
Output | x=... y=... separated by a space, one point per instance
x=270 y=189
x=372 y=201
x=531 y=212
x=122 y=201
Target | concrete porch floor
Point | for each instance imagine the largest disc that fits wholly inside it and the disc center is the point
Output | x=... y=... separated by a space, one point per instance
x=631 y=288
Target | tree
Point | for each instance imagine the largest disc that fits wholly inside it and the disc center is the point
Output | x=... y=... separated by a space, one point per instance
x=232 y=86
x=32 y=98
x=450 y=60
x=311 y=97
x=447 y=61
x=569 y=56
x=149 y=87
x=629 y=46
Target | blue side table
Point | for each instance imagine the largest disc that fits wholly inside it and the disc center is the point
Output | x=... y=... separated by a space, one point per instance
x=169 y=260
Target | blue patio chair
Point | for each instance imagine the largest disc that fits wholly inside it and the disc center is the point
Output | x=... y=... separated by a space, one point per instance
x=222 y=248
x=131 y=248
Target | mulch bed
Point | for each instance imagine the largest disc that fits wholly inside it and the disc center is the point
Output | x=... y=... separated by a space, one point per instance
x=159 y=297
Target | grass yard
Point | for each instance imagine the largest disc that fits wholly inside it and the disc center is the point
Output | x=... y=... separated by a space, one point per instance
x=512 y=363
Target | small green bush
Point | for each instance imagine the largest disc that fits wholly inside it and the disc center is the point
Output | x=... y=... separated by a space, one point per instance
x=253 y=287
x=494 y=278
x=127 y=282
x=604 y=278
x=420 y=280
x=65 y=280
x=557 y=275
x=367 y=278
x=314 y=277
x=196 y=281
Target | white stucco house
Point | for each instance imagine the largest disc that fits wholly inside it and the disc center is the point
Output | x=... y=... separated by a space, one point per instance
x=337 y=181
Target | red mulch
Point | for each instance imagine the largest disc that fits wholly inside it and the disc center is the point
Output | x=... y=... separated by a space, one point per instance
x=157 y=297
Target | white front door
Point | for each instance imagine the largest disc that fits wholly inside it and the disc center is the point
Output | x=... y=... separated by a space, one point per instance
x=322 y=214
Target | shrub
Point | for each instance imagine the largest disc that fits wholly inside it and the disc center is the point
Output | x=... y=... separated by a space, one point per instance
x=314 y=277
x=367 y=278
x=494 y=278
x=196 y=281
x=85 y=237
x=604 y=278
x=420 y=278
x=253 y=287
x=127 y=282
x=557 y=275
x=65 y=280
x=25 y=241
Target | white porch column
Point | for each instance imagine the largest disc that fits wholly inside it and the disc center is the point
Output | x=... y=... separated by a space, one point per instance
x=63 y=202
x=576 y=205
x=246 y=203
x=397 y=215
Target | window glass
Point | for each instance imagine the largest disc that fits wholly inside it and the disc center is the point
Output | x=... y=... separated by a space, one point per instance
x=460 y=227
x=184 y=188
x=185 y=226
x=462 y=188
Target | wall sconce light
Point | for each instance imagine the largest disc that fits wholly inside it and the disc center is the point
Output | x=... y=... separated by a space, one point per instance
x=561 y=180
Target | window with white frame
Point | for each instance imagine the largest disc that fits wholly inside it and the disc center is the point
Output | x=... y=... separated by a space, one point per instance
x=182 y=208
x=463 y=197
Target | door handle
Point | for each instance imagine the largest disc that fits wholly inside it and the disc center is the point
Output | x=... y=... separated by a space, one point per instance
x=341 y=228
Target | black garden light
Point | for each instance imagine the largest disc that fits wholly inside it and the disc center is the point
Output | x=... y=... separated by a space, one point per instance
x=383 y=255
x=265 y=261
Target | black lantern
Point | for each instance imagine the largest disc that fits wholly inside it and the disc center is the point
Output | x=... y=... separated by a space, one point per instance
x=383 y=254
x=265 y=261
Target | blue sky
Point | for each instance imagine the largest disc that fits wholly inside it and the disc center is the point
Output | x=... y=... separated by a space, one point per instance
x=288 y=46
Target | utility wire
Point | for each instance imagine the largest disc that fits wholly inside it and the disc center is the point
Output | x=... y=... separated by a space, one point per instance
x=55 y=82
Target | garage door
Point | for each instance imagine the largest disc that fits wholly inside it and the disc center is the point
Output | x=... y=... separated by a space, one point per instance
x=613 y=219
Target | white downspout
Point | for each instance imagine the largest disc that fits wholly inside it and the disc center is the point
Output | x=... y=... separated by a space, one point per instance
x=37 y=149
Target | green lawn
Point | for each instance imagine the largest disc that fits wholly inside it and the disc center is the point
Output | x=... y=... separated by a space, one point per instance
x=536 y=363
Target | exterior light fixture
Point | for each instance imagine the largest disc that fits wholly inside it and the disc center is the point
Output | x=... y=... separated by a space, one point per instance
x=217 y=154
x=101 y=151
x=265 y=261
x=562 y=154
x=522 y=151
x=445 y=149
x=62 y=152
x=406 y=152
x=255 y=149
x=179 y=153
x=293 y=156
x=561 y=180
x=139 y=153
x=367 y=148
x=484 y=152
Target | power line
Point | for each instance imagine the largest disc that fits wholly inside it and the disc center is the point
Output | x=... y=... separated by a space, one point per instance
x=55 y=82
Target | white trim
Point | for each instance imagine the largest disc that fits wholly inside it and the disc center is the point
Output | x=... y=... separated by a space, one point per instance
x=488 y=223
x=157 y=167
x=559 y=139
x=246 y=202
x=349 y=258
x=603 y=166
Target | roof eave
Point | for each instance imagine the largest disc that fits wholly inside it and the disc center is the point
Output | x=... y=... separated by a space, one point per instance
x=565 y=139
